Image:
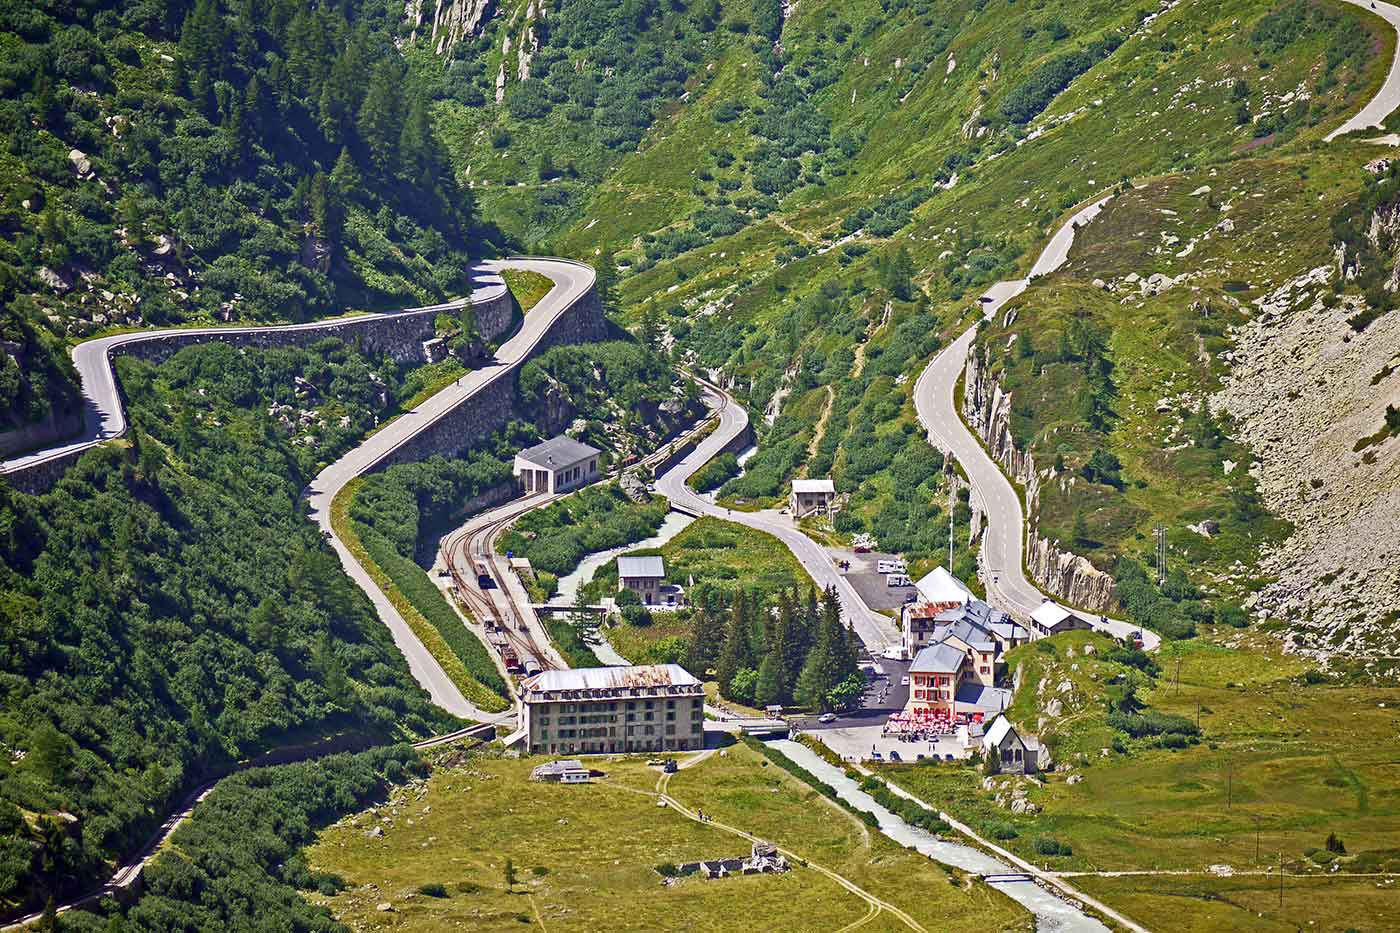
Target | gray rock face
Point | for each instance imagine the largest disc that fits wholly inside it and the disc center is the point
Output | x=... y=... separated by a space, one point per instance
x=1059 y=571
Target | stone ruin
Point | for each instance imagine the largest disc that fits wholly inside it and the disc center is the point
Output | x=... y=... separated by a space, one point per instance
x=764 y=858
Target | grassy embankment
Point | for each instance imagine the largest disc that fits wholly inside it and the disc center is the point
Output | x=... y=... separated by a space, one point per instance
x=720 y=555
x=586 y=855
x=462 y=656
x=527 y=287
x=1286 y=758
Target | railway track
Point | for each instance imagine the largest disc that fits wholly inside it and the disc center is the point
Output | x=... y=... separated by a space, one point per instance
x=470 y=555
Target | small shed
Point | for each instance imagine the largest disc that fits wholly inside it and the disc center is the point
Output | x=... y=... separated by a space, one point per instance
x=1050 y=618
x=1011 y=753
x=641 y=575
x=811 y=495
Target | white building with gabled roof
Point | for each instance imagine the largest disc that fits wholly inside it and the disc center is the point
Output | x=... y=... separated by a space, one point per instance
x=1050 y=618
x=810 y=496
x=556 y=465
x=1011 y=752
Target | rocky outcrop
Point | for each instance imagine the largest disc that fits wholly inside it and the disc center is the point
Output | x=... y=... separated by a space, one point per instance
x=1066 y=574
x=988 y=412
x=453 y=20
x=1309 y=396
x=1062 y=573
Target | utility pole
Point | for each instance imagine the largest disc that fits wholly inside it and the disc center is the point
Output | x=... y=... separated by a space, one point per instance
x=1280 y=880
x=1160 y=531
x=1230 y=785
x=1177 y=681
x=952 y=505
x=1256 y=838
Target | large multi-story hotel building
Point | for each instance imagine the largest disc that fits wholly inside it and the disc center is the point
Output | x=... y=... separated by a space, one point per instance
x=601 y=710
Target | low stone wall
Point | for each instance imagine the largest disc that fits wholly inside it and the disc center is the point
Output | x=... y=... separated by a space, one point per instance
x=399 y=336
x=740 y=441
x=40 y=477
x=54 y=429
x=494 y=405
x=1057 y=570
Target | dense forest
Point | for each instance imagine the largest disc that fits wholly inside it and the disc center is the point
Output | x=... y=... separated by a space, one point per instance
x=240 y=864
x=167 y=610
x=174 y=160
x=792 y=651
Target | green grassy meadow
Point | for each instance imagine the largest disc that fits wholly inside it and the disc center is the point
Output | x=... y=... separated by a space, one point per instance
x=1285 y=756
x=585 y=855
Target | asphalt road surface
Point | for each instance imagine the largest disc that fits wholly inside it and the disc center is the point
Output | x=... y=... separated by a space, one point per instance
x=572 y=281
x=874 y=629
x=1004 y=539
x=1387 y=99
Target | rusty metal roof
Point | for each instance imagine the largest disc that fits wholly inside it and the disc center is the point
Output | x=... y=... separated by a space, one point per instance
x=611 y=678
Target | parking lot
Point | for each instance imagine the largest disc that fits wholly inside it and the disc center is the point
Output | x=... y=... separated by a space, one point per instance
x=885 y=694
x=868 y=581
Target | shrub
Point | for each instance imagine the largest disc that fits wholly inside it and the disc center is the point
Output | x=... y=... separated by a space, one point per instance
x=1000 y=829
x=668 y=869
x=1049 y=845
x=433 y=889
x=1335 y=845
x=1151 y=723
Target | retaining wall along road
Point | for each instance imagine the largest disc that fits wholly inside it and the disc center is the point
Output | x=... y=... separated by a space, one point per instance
x=494 y=405
x=399 y=336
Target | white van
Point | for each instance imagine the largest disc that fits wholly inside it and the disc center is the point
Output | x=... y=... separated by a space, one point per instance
x=896 y=579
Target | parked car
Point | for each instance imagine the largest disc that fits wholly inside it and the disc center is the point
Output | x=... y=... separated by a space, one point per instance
x=904 y=681
x=919 y=757
x=670 y=767
x=947 y=757
x=827 y=717
x=894 y=755
x=876 y=756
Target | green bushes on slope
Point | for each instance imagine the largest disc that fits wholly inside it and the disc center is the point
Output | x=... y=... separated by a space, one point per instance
x=556 y=538
x=238 y=862
x=166 y=610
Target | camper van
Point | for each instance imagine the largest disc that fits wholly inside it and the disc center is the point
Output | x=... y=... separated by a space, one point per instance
x=896 y=579
x=892 y=566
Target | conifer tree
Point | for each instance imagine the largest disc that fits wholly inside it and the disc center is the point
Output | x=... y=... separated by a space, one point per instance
x=770 y=679
x=707 y=635
x=734 y=655
x=379 y=123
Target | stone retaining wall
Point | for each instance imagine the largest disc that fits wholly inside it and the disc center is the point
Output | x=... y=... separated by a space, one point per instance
x=1054 y=568
x=398 y=336
x=490 y=408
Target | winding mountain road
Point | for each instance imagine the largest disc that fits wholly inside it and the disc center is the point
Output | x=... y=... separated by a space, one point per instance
x=1387 y=99
x=104 y=417
x=1003 y=557
x=875 y=630
x=572 y=282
